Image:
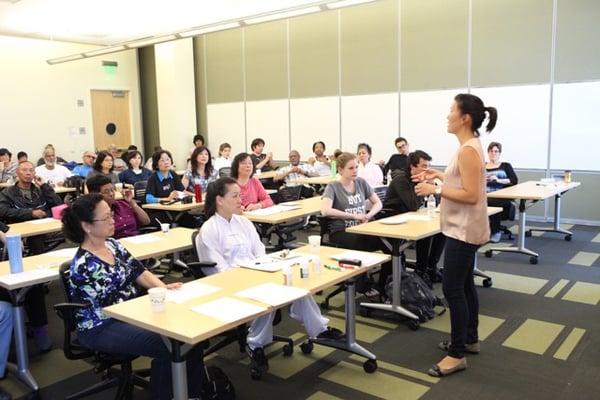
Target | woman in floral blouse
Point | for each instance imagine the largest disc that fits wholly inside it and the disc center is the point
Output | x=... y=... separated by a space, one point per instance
x=103 y=273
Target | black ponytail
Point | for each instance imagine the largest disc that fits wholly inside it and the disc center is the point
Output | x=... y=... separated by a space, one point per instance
x=216 y=188
x=473 y=106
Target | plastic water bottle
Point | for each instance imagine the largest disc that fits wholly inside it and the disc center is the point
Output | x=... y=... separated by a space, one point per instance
x=287 y=275
x=15 y=256
x=431 y=205
x=304 y=272
x=333 y=168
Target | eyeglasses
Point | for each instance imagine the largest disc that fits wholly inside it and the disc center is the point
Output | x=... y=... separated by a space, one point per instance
x=108 y=190
x=105 y=219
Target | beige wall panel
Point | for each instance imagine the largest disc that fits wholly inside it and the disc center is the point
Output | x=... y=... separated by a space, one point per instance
x=511 y=42
x=434 y=44
x=269 y=120
x=372 y=119
x=314 y=119
x=226 y=124
x=224 y=66
x=578 y=36
x=314 y=55
x=266 y=61
x=369 y=48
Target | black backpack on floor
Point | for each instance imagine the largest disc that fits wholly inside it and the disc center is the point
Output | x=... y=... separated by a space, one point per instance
x=217 y=385
x=416 y=296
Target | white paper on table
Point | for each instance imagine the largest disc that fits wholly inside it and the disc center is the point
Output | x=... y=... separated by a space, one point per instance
x=189 y=291
x=63 y=253
x=366 y=258
x=272 y=210
x=273 y=294
x=227 y=309
x=270 y=264
x=142 y=239
x=417 y=217
x=41 y=221
x=31 y=275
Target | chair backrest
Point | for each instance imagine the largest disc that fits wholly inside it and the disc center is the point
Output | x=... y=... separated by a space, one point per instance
x=380 y=191
x=289 y=193
x=225 y=172
x=139 y=190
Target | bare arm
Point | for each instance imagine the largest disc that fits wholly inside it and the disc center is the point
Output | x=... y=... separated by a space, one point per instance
x=376 y=205
x=327 y=210
x=148 y=280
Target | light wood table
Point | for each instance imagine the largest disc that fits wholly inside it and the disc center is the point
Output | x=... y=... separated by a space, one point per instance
x=266 y=175
x=174 y=211
x=182 y=328
x=36 y=227
x=57 y=189
x=525 y=195
x=316 y=180
x=397 y=238
x=176 y=239
x=308 y=207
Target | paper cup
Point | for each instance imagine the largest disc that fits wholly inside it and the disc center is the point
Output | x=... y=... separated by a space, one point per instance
x=119 y=187
x=315 y=243
x=158 y=296
x=164 y=228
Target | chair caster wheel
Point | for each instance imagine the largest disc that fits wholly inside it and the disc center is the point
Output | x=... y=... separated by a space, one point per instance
x=488 y=253
x=370 y=366
x=568 y=238
x=533 y=260
x=414 y=324
x=288 y=350
x=487 y=282
x=307 y=347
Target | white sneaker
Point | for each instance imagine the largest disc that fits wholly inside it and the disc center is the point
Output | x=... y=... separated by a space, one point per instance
x=495 y=237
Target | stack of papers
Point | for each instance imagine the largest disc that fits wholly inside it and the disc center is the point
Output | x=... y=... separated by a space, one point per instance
x=272 y=210
x=270 y=264
x=228 y=310
x=189 y=291
x=273 y=294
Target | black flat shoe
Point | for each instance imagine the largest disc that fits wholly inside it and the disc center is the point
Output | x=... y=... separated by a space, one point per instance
x=436 y=371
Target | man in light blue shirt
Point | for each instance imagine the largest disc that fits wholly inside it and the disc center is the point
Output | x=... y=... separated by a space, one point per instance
x=88 y=164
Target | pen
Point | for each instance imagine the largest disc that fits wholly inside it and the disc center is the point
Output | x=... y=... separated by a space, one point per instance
x=348 y=266
x=332 y=267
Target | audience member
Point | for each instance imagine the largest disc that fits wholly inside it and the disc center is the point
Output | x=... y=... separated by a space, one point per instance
x=88 y=164
x=224 y=159
x=104 y=166
x=41 y=160
x=320 y=161
x=118 y=163
x=260 y=160
x=296 y=170
x=398 y=161
x=51 y=172
x=253 y=193
x=135 y=171
x=367 y=169
x=163 y=184
x=8 y=168
x=201 y=170
x=21 y=156
x=498 y=176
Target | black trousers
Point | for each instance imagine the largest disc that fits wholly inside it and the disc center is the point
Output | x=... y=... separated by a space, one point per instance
x=460 y=293
x=364 y=243
x=429 y=251
x=35 y=299
x=496 y=219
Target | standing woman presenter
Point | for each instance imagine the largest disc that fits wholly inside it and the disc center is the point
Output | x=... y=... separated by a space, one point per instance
x=464 y=222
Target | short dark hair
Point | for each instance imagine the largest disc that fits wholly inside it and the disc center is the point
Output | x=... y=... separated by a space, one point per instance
x=21 y=154
x=400 y=139
x=4 y=151
x=129 y=155
x=235 y=164
x=94 y=183
x=81 y=210
x=100 y=158
x=198 y=137
x=256 y=142
x=494 y=144
x=216 y=188
x=316 y=143
x=472 y=105
x=156 y=156
x=364 y=146
x=416 y=156
x=132 y=147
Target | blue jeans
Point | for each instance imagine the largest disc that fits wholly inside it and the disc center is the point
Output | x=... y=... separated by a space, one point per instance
x=460 y=293
x=118 y=337
x=6 y=328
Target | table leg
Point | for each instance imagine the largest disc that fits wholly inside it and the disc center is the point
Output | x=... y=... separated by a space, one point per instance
x=395 y=307
x=487 y=280
x=520 y=248
x=556 y=227
x=349 y=344
x=21 y=370
x=178 y=367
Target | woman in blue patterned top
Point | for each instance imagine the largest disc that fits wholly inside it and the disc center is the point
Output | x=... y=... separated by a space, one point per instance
x=201 y=170
x=103 y=273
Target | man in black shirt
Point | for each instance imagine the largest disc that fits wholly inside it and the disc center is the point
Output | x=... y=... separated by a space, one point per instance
x=398 y=161
x=401 y=198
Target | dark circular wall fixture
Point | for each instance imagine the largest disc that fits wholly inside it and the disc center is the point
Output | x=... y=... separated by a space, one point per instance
x=111 y=128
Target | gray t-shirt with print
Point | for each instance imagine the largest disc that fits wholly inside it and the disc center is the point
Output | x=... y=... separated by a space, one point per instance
x=353 y=203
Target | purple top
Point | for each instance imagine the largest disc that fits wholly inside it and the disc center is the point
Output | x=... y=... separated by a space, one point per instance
x=125 y=222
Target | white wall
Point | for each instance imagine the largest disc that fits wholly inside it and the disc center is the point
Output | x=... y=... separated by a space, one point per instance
x=176 y=98
x=39 y=101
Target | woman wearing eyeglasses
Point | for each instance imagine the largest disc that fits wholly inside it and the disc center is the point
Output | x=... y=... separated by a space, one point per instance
x=104 y=273
x=498 y=176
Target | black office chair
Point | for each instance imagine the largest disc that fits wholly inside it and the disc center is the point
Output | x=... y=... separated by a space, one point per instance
x=139 y=191
x=238 y=334
x=124 y=378
x=511 y=217
x=225 y=172
x=285 y=231
x=381 y=191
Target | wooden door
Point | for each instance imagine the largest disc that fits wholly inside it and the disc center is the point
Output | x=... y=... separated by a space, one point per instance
x=110 y=113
